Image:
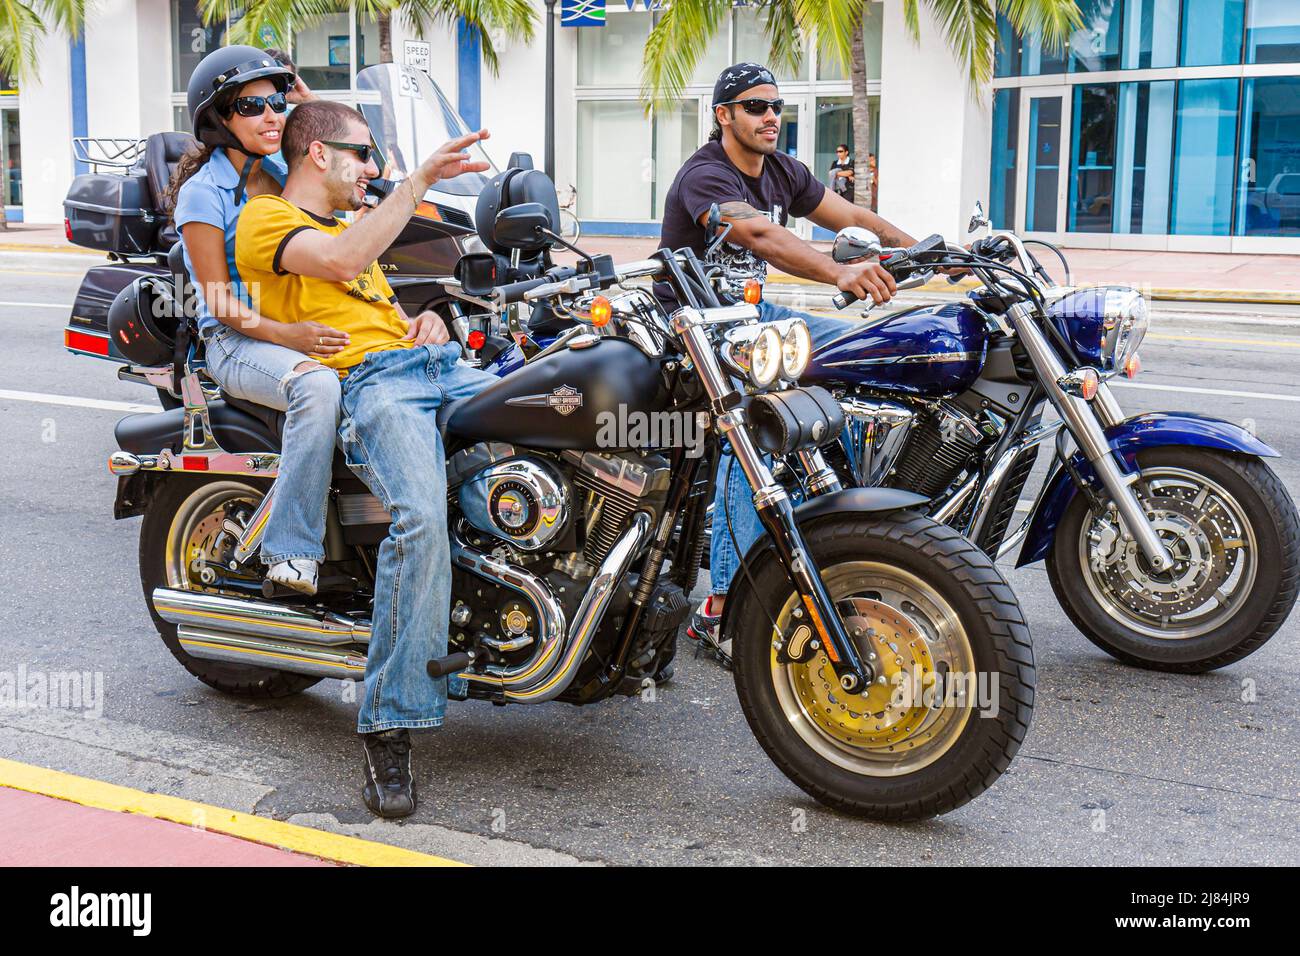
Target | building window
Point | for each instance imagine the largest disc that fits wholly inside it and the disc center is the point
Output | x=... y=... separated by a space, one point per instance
x=367 y=41
x=1150 y=34
x=1044 y=163
x=611 y=55
x=752 y=45
x=1268 y=198
x=1273 y=35
x=1205 y=146
x=1002 y=176
x=1144 y=149
x=615 y=168
x=191 y=41
x=676 y=137
x=1212 y=32
x=1094 y=47
x=323 y=53
x=11 y=158
x=1092 y=160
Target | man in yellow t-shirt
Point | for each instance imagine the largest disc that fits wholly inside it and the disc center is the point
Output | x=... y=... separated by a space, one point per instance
x=399 y=377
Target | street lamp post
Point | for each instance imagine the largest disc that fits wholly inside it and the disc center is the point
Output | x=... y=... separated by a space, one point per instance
x=549 y=160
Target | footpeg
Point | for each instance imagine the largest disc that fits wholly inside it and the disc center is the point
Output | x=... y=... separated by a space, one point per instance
x=442 y=666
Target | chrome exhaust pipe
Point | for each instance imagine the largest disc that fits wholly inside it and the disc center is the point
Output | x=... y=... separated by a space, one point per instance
x=251 y=618
x=318 y=661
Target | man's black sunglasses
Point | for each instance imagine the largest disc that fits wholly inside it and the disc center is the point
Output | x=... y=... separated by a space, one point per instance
x=756 y=107
x=363 y=150
x=254 y=105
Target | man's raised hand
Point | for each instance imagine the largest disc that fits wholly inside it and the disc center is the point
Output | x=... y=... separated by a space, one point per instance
x=452 y=159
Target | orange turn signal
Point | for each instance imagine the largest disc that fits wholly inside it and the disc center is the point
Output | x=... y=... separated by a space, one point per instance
x=601 y=311
x=1088 y=385
x=753 y=291
x=1132 y=366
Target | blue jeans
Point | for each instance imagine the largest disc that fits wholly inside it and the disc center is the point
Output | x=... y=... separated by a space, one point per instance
x=266 y=374
x=732 y=486
x=392 y=405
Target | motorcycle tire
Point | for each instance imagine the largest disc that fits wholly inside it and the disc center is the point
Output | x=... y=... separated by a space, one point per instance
x=927 y=762
x=1264 y=604
x=165 y=506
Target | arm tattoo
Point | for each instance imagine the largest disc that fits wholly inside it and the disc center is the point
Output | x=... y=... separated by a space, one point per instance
x=738 y=210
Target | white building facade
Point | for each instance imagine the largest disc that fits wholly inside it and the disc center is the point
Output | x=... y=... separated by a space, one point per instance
x=1144 y=134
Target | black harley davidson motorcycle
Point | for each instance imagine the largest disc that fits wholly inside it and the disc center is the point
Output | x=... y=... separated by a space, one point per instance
x=881 y=660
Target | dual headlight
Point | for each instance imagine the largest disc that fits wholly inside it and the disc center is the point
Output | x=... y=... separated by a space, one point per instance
x=769 y=351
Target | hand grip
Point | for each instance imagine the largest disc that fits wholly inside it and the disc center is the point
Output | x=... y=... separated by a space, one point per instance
x=844 y=300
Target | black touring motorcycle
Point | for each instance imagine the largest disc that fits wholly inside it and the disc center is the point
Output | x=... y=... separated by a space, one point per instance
x=882 y=661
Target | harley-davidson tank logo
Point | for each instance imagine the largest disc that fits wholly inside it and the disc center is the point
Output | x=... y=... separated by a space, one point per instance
x=566 y=399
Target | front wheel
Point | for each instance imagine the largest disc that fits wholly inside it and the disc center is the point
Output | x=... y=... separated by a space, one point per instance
x=1234 y=535
x=932 y=614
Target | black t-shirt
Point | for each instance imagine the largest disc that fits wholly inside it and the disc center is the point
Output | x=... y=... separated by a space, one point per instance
x=785 y=188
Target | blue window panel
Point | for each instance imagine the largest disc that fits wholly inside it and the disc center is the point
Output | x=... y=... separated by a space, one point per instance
x=1044 y=155
x=1094 y=46
x=1092 y=158
x=1268 y=184
x=1212 y=32
x=1144 y=141
x=1150 y=34
x=1273 y=34
x=1002 y=175
x=1205 y=147
x=1006 y=55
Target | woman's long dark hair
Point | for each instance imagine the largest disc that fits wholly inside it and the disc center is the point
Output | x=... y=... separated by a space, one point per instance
x=190 y=163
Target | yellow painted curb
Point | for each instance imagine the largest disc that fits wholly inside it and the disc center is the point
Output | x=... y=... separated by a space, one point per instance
x=1253 y=296
x=39 y=247
x=246 y=826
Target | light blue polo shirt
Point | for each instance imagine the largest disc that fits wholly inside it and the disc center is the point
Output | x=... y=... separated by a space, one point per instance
x=209 y=196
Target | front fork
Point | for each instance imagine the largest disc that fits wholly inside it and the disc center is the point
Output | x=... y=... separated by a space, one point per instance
x=775 y=510
x=1087 y=423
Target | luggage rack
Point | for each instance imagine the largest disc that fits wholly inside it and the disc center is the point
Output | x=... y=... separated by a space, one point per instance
x=109 y=152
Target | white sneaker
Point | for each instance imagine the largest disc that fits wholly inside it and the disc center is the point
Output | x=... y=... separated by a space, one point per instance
x=298 y=574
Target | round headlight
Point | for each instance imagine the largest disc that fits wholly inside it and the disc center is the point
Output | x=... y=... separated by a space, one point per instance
x=1126 y=323
x=796 y=350
x=765 y=358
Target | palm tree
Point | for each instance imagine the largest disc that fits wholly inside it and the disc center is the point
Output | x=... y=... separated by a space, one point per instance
x=22 y=25
x=970 y=26
x=515 y=18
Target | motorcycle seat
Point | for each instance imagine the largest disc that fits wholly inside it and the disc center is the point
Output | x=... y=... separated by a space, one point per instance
x=272 y=419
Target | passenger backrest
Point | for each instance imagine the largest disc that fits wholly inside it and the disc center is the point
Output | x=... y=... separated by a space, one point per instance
x=162 y=151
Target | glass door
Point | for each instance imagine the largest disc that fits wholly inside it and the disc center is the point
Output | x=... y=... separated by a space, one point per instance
x=1041 y=193
x=11 y=159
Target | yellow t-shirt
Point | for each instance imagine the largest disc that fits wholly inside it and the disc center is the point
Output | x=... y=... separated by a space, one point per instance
x=362 y=307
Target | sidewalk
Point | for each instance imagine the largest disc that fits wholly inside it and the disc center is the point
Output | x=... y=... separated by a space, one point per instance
x=49 y=818
x=1210 y=277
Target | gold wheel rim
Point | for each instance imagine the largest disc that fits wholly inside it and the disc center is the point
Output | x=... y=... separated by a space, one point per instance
x=914 y=717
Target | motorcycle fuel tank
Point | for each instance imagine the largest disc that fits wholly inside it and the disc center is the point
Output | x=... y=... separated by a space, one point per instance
x=932 y=351
x=567 y=400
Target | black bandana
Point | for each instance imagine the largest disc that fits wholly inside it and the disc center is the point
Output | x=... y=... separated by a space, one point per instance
x=739 y=78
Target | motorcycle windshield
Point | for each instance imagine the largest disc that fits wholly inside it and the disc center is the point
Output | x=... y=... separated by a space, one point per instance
x=409 y=118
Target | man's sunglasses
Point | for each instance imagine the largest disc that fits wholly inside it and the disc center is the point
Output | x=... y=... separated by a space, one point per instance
x=254 y=105
x=363 y=150
x=756 y=107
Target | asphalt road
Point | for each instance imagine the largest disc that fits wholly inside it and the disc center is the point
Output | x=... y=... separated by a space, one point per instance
x=1120 y=767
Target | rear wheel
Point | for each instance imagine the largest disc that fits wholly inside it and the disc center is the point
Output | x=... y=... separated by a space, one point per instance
x=184 y=544
x=955 y=690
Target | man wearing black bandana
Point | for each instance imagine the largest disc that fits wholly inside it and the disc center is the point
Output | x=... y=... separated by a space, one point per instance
x=757 y=188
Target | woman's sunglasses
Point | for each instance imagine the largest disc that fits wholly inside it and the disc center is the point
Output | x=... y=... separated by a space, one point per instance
x=756 y=107
x=254 y=105
x=363 y=150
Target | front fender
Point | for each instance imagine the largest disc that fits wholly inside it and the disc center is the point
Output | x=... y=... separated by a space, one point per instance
x=1152 y=430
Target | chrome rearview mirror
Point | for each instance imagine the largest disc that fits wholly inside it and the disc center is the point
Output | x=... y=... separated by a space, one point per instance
x=978 y=220
x=855 y=242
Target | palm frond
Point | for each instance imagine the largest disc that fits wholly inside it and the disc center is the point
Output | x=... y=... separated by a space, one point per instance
x=24 y=22
x=834 y=22
x=1051 y=20
x=248 y=17
x=784 y=38
x=516 y=18
x=675 y=46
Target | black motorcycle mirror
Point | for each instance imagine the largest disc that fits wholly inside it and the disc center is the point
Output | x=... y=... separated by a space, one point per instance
x=978 y=219
x=717 y=230
x=477 y=273
x=524 y=227
x=855 y=242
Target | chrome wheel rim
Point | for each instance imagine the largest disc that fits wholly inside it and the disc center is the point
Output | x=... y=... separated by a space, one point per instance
x=893 y=729
x=199 y=546
x=1214 y=549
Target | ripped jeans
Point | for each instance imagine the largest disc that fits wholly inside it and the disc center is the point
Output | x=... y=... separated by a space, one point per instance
x=266 y=374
